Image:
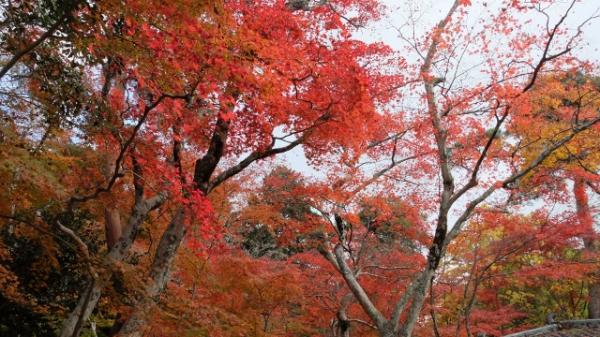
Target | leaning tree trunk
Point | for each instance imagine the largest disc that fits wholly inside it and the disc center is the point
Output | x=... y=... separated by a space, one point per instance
x=341 y=325
x=73 y=324
x=92 y=292
x=173 y=235
x=586 y=220
x=159 y=274
x=422 y=284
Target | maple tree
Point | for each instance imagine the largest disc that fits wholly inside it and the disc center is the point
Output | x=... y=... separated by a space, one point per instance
x=507 y=273
x=383 y=237
x=453 y=115
x=552 y=100
x=236 y=84
x=551 y=266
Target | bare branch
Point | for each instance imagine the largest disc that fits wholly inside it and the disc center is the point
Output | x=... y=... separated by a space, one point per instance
x=361 y=296
x=11 y=63
x=121 y=156
x=513 y=178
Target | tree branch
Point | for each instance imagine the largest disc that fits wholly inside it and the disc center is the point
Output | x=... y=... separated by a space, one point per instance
x=361 y=296
x=11 y=63
x=516 y=176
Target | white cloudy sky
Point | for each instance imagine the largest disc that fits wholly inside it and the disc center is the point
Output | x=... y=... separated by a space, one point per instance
x=430 y=12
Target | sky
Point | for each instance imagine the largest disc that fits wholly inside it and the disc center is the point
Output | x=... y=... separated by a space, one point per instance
x=429 y=12
x=426 y=13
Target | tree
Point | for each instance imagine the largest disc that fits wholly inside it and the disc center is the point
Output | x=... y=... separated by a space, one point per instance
x=553 y=101
x=509 y=272
x=239 y=77
x=384 y=237
x=453 y=115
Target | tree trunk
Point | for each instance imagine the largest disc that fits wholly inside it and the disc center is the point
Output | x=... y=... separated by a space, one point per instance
x=166 y=251
x=342 y=325
x=418 y=298
x=112 y=224
x=387 y=333
x=584 y=215
x=118 y=251
x=585 y=219
x=88 y=300
x=594 y=293
x=159 y=273
x=173 y=235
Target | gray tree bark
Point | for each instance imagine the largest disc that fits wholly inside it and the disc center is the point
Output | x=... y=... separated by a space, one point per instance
x=91 y=294
x=342 y=325
x=159 y=273
x=87 y=303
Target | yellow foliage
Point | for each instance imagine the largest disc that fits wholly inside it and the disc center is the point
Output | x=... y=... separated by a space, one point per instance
x=557 y=104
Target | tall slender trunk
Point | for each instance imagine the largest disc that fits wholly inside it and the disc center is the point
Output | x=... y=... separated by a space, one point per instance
x=584 y=216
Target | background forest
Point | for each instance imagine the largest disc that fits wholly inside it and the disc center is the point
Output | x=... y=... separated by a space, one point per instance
x=254 y=168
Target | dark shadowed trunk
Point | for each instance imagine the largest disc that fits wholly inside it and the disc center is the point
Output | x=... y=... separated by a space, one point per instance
x=175 y=232
x=112 y=226
x=586 y=221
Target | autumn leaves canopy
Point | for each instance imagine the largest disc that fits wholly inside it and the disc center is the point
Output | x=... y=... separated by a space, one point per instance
x=139 y=155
